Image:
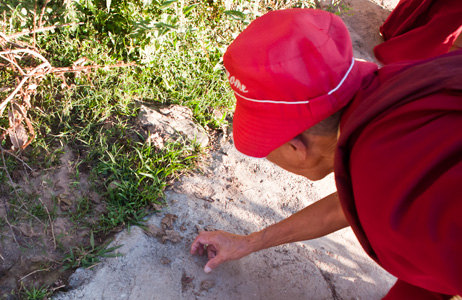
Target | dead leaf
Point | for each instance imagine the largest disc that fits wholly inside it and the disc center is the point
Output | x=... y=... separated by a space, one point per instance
x=154 y=231
x=167 y=221
x=172 y=236
x=18 y=136
x=65 y=199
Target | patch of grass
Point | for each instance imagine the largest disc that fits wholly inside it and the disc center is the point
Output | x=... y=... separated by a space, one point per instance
x=34 y=293
x=136 y=175
x=87 y=257
x=82 y=209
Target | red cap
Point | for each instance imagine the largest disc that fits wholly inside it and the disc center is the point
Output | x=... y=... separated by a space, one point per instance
x=289 y=70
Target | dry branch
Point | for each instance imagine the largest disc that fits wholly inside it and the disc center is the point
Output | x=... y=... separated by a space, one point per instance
x=18 y=88
x=41 y=29
x=33 y=272
x=14 y=63
x=29 y=77
x=43 y=12
x=85 y=68
x=29 y=51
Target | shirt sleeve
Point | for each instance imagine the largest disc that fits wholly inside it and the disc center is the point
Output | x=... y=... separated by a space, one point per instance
x=419 y=29
x=405 y=291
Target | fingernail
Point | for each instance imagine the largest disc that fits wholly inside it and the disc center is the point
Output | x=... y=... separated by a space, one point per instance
x=207 y=269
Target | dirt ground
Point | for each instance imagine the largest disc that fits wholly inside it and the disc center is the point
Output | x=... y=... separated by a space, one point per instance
x=232 y=193
x=241 y=195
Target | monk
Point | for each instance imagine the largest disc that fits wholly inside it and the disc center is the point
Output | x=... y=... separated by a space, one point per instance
x=391 y=136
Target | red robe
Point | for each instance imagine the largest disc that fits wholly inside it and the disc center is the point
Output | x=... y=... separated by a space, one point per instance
x=419 y=29
x=398 y=171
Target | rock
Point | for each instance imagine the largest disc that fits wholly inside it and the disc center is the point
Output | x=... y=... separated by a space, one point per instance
x=170 y=124
x=172 y=236
x=154 y=231
x=186 y=281
x=206 y=285
x=165 y=261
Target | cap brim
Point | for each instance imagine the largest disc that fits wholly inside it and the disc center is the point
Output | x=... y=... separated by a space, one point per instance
x=256 y=135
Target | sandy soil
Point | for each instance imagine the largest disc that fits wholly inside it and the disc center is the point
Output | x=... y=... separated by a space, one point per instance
x=241 y=195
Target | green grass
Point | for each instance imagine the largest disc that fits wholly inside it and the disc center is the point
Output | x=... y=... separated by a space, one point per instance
x=34 y=293
x=87 y=257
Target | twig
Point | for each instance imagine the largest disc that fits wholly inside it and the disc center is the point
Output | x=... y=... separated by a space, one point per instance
x=34 y=22
x=31 y=52
x=7 y=100
x=28 y=213
x=51 y=223
x=15 y=156
x=83 y=68
x=92 y=266
x=4 y=36
x=31 y=273
x=14 y=63
x=27 y=32
x=12 y=232
x=43 y=12
x=57 y=288
x=2 y=257
x=4 y=20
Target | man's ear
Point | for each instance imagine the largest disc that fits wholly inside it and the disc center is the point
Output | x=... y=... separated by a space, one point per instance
x=299 y=147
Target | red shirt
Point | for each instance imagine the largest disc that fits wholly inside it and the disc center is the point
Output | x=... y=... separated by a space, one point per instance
x=399 y=173
x=419 y=29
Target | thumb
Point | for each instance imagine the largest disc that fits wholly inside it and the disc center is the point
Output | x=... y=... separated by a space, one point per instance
x=213 y=263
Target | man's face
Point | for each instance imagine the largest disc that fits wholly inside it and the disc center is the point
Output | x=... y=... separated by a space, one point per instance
x=311 y=156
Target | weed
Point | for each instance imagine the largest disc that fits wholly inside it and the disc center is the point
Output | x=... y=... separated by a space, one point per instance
x=82 y=209
x=34 y=293
x=87 y=257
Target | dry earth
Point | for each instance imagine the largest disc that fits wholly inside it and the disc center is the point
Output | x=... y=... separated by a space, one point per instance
x=232 y=193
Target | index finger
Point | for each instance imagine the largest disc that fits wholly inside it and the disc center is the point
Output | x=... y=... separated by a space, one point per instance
x=199 y=242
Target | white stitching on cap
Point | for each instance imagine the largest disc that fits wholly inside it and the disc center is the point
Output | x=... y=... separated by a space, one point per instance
x=344 y=77
x=301 y=102
x=271 y=101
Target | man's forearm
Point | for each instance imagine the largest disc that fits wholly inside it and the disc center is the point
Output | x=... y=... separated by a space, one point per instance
x=318 y=219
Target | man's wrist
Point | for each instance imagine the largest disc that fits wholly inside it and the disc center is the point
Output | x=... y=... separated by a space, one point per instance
x=256 y=241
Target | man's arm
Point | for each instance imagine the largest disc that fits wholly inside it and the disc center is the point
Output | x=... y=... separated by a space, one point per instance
x=318 y=219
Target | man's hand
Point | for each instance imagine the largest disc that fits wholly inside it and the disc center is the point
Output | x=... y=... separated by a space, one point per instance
x=221 y=246
x=318 y=219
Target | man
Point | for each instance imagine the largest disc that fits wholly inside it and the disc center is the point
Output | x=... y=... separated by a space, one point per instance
x=392 y=137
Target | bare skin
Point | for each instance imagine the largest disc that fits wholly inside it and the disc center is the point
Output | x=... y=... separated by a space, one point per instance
x=308 y=155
